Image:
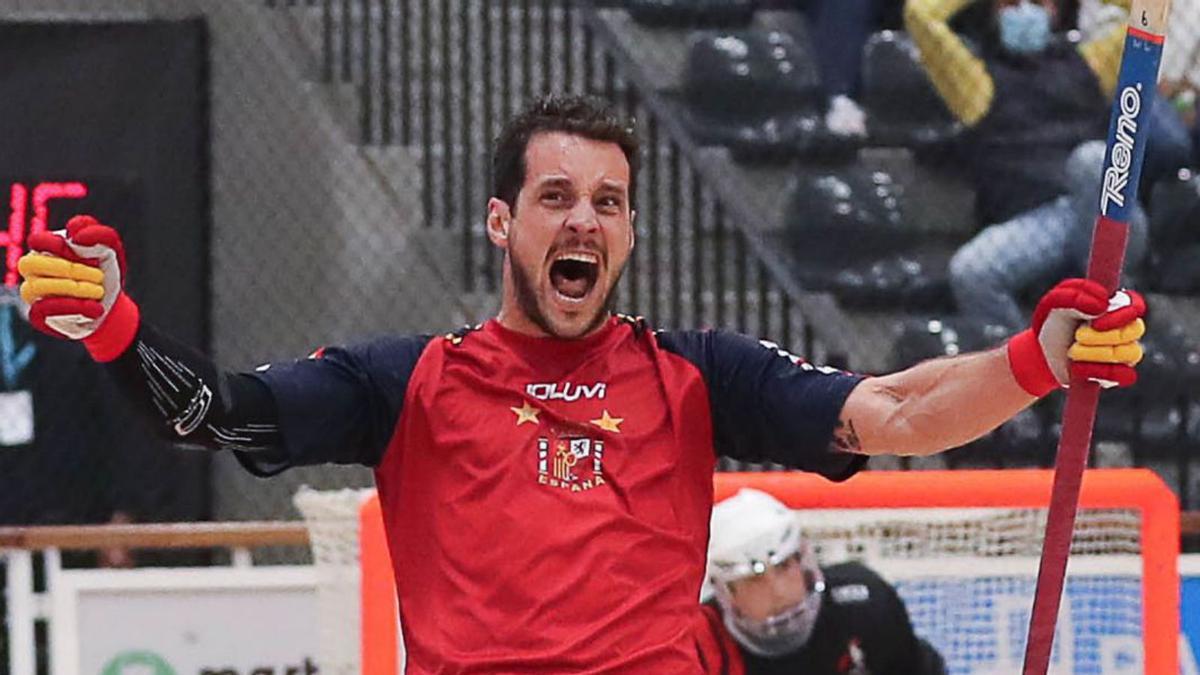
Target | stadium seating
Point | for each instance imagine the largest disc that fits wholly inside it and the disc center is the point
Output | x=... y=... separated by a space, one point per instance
x=758 y=93
x=1175 y=234
x=921 y=339
x=1171 y=366
x=874 y=223
x=1022 y=440
x=1179 y=271
x=1192 y=430
x=901 y=104
x=830 y=207
x=902 y=280
x=1150 y=417
x=851 y=231
x=692 y=13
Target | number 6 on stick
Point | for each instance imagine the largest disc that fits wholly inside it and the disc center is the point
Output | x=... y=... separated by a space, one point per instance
x=1127 y=135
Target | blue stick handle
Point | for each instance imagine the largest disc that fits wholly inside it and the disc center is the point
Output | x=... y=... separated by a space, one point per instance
x=1127 y=136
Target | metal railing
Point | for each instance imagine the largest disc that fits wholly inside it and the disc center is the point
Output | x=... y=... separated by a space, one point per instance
x=440 y=77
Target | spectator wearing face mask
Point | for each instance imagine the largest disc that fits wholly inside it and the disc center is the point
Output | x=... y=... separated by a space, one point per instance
x=1035 y=105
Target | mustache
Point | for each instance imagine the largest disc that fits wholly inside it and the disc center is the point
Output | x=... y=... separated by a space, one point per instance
x=577 y=243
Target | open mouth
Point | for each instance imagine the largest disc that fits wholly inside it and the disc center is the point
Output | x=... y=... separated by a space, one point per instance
x=574 y=275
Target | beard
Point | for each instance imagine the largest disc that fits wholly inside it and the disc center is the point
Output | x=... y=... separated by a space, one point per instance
x=525 y=286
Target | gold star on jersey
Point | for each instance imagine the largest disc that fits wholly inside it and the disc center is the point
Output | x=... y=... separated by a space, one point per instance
x=608 y=422
x=526 y=413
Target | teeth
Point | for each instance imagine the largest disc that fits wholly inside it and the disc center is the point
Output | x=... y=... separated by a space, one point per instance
x=569 y=299
x=590 y=258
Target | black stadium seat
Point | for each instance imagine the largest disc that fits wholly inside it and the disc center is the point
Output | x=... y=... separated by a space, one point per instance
x=756 y=92
x=846 y=216
x=1171 y=366
x=1179 y=271
x=692 y=13
x=1161 y=424
x=1023 y=435
x=1193 y=423
x=1175 y=234
x=923 y=339
x=849 y=234
x=902 y=106
x=905 y=280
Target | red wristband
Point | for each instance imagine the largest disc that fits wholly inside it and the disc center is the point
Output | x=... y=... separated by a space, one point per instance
x=1029 y=366
x=115 y=335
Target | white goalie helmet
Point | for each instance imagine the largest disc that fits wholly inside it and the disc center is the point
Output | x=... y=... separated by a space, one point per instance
x=752 y=532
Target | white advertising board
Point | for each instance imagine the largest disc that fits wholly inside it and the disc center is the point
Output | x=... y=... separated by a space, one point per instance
x=195 y=621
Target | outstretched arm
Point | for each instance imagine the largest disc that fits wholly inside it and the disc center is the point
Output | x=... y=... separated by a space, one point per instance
x=960 y=77
x=945 y=403
x=74 y=284
x=190 y=402
x=931 y=407
x=340 y=405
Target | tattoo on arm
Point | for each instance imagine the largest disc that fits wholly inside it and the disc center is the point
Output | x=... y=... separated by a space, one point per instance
x=845 y=438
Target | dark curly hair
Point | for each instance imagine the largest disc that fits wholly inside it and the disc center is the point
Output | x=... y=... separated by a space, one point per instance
x=586 y=116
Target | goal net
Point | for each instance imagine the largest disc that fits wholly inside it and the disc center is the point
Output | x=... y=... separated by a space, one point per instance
x=961 y=547
x=332 y=518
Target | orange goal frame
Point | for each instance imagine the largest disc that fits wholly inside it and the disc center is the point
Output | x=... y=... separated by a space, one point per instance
x=1138 y=489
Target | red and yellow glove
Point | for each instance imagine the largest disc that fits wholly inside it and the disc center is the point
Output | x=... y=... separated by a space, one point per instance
x=74 y=281
x=1080 y=331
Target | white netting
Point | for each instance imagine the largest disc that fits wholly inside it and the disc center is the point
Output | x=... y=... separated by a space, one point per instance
x=332 y=518
x=967 y=577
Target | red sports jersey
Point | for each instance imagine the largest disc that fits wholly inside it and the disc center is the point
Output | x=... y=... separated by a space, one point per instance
x=547 y=501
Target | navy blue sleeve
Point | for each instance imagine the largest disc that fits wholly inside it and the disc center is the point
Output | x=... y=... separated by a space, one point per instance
x=767 y=405
x=340 y=405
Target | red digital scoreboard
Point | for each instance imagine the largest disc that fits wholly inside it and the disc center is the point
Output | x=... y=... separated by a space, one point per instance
x=29 y=212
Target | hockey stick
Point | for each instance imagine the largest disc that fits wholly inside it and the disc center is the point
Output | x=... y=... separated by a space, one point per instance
x=1127 y=134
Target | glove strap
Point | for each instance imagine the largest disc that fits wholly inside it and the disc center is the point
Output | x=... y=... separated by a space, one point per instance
x=116 y=333
x=1029 y=365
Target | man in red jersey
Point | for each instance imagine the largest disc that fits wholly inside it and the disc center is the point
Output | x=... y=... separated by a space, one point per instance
x=546 y=477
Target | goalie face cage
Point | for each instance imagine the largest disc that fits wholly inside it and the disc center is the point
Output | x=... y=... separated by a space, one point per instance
x=962 y=549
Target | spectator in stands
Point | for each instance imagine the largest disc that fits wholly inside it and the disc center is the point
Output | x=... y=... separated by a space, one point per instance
x=1175 y=111
x=1034 y=103
x=777 y=611
x=840 y=29
x=1181 y=55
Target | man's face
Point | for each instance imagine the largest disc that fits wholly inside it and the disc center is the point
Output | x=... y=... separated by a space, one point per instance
x=568 y=236
x=762 y=596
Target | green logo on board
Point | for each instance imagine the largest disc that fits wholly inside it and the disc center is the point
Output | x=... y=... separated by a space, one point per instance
x=137 y=663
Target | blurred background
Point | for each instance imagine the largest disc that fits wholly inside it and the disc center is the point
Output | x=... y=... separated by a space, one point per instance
x=869 y=183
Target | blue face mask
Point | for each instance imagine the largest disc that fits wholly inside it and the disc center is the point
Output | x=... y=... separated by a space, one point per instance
x=1025 y=28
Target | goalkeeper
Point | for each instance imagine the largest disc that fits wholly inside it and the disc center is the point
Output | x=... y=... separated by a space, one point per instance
x=546 y=477
x=776 y=611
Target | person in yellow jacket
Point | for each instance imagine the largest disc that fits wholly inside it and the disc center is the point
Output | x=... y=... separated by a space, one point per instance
x=1035 y=107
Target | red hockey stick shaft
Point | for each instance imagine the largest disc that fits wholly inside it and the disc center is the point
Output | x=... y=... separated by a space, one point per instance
x=1127 y=136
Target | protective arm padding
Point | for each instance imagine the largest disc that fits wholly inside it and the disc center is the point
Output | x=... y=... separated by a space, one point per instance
x=189 y=402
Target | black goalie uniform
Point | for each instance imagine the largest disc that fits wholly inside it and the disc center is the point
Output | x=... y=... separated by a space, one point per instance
x=862 y=629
